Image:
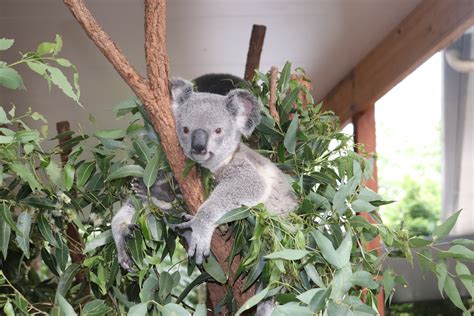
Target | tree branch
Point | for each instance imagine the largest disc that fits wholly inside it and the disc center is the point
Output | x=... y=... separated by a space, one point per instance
x=273 y=94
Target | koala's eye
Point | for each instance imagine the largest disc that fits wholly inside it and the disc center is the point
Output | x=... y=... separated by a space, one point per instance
x=185 y=130
x=218 y=130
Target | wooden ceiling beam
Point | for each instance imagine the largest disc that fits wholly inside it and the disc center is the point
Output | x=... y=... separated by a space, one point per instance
x=430 y=27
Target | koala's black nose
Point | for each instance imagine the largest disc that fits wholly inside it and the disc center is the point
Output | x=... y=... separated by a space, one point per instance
x=199 y=141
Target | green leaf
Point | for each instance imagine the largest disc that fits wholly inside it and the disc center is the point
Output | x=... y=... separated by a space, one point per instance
x=172 y=309
x=64 y=62
x=96 y=308
x=338 y=258
x=6 y=139
x=453 y=293
x=102 y=239
x=308 y=295
x=54 y=173
x=10 y=78
x=458 y=252
x=463 y=242
x=165 y=285
x=3 y=117
x=149 y=288
x=60 y=80
x=26 y=174
x=5 y=231
x=388 y=283
x=39 y=202
x=338 y=309
x=151 y=170
x=254 y=300
x=462 y=269
x=84 y=172
x=363 y=279
x=368 y=195
x=443 y=230
x=66 y=308
x=61 y=254
x=284 y=77
x=65 y=281
x=8 y=309
x=24 y=225
x=288 y=254
x=200 y=310
x=212 y=267
x=234 y=215
x=68 y=176
x=126 y=171
x=290 y=136
x=362 y=206
x=319 y=300
x=45 y=48
x=125 y=106
x=419 y=242
x=339 y=200
x=46 y=231
x=110 y=133
x=138 y=310
x=5 y=43
x=142 y=150
x=7 y=217
x=441 y=273
x=291 y=309
x=314 y=275
x=203 y=277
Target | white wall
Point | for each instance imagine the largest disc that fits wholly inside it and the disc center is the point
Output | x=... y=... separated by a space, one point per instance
x=326 y=37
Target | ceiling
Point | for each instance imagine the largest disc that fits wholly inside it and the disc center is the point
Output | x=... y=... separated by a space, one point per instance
x=325 y=37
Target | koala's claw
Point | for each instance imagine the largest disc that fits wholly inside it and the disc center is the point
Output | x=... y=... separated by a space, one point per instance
x=126 y=262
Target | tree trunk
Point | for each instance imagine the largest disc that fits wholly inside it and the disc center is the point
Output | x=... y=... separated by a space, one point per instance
x=155 y=96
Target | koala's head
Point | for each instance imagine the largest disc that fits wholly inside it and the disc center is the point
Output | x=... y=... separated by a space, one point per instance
x=209 y=126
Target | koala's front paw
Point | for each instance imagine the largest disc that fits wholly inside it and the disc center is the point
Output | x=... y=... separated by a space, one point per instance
x=198 y=237
x=138 y=188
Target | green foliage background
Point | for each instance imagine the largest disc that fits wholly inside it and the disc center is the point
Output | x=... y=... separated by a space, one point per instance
x=312 y=262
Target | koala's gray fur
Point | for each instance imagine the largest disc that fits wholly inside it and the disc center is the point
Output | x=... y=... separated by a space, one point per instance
x=122 y=227
x=242 y=176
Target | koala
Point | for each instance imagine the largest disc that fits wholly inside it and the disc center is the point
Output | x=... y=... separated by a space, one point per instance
x=161 y=192
x=209 y=128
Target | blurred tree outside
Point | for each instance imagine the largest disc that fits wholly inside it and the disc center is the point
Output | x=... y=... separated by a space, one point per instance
x=409 y=149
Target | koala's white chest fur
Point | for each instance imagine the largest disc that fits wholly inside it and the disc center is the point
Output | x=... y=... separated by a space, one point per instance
x=270 y=178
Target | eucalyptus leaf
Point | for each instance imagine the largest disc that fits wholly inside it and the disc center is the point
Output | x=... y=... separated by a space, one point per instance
x=126 y=171
x=24 y=225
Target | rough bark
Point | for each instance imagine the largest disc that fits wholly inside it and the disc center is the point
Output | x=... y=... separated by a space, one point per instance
x=155 y=96
x=273 y=94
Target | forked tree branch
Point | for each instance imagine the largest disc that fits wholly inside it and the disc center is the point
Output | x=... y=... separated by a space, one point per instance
x=155 y=97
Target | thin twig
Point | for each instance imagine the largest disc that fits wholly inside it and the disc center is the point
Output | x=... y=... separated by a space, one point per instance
x=273 y=94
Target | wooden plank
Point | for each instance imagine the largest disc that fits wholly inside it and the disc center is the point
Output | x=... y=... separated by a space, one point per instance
x=430 y=27
x=255 y=50
x=365 y=134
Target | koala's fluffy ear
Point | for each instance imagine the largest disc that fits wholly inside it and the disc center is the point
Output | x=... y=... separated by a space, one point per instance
x=245 y=108
x=181 y=90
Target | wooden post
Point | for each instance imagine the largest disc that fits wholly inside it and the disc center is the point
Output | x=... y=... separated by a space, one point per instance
x=74 y=240
x=364 y=133
x=255 y=50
